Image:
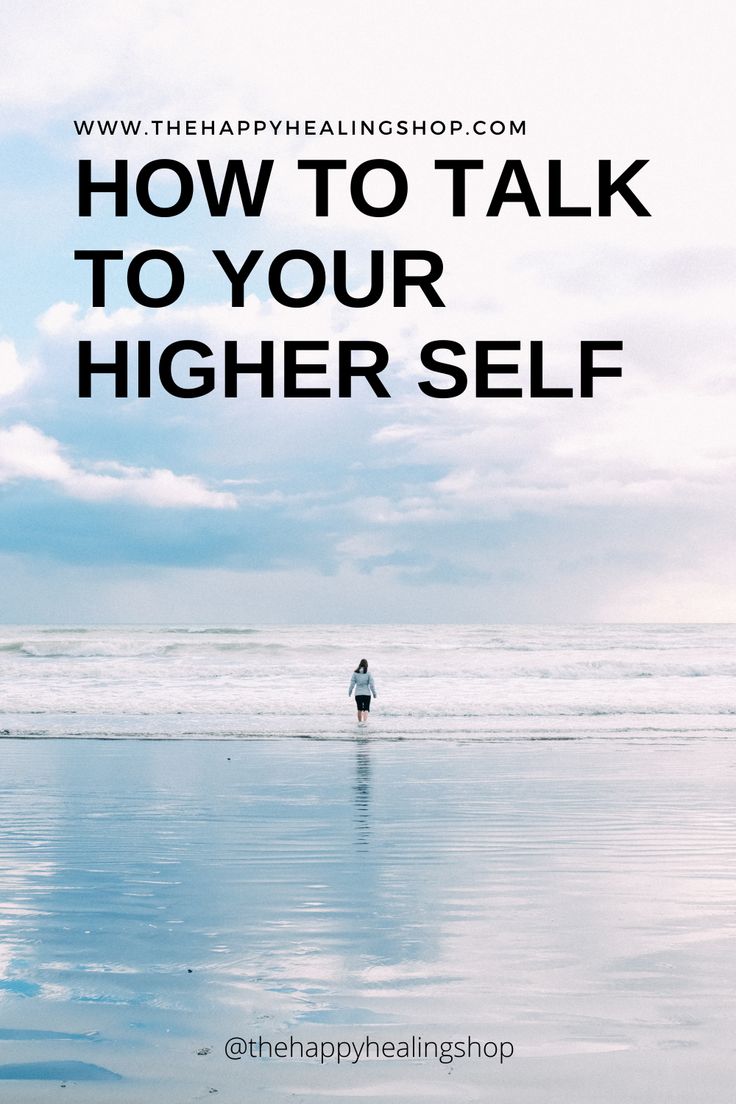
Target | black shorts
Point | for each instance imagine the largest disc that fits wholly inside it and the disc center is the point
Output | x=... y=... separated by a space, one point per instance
x=363 y=702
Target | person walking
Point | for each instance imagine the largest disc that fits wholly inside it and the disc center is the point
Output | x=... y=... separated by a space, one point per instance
x=362 y=682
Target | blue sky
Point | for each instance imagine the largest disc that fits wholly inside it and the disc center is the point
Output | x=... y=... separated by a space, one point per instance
x=409 y=509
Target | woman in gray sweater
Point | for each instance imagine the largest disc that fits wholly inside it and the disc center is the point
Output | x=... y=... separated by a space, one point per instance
x=364 y=687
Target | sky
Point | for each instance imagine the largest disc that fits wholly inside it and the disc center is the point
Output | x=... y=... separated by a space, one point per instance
x=407 y=508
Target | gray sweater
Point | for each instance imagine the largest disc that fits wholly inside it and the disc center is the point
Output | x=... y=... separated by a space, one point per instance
x=363 y=683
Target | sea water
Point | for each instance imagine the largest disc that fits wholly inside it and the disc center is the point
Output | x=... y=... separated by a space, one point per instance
x=473 y=682
x=533 y=843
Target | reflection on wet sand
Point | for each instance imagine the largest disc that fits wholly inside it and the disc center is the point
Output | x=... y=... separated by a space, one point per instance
x=158 y=898
x=362 y=790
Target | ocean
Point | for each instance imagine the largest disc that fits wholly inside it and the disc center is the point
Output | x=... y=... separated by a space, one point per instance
x=531 y=845
x=433 y=681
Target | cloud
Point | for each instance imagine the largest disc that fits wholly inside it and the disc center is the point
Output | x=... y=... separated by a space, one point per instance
x=660 y=436
x=447 y=484
x=14 y=373
x=62 y=319
x=27 y=453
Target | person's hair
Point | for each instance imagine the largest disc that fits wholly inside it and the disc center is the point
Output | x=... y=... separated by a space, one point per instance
x=362 y=666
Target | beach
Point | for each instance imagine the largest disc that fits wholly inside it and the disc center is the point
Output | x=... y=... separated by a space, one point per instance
x=524 y=864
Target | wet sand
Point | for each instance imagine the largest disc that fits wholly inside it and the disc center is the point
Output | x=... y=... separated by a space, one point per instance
x=573 y=897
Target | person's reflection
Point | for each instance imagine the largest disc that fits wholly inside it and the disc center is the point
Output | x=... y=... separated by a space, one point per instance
x=362 y=792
